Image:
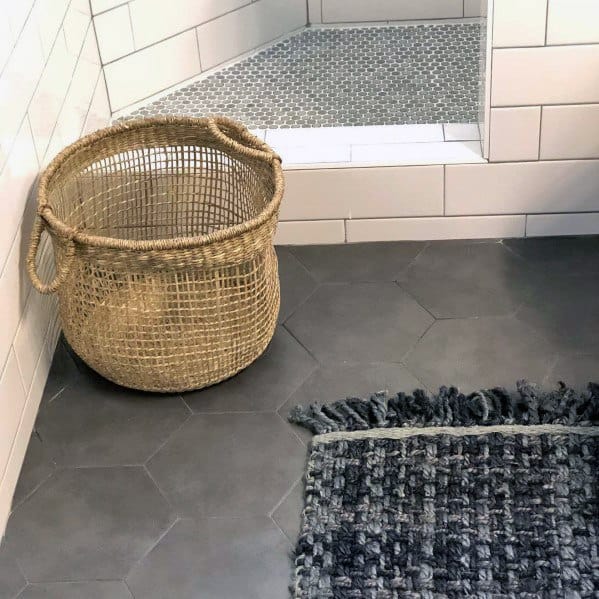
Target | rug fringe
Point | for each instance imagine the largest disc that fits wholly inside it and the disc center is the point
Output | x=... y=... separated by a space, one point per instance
x=449 y=407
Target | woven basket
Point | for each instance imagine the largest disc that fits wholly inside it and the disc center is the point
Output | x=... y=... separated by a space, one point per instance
x=162 y=231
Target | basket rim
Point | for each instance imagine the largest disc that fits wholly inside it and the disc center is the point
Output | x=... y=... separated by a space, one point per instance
x=257 y=149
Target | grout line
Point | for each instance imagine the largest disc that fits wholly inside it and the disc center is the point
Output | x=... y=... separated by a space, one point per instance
x=131 y=26
x=540 y=132
x=444 y=187
x=282 y=500
x=546 y=20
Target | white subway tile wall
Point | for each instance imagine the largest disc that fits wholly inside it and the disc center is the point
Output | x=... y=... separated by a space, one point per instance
x=515 y=133
x=51 y=89
x=149 y=45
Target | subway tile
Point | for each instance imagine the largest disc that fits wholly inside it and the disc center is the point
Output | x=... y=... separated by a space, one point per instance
x=14 y=287
x=522 y=187
x=82 y=6
x=49 y=15
x=12 y=402
x=355 y=135
x=98 y=115
x=570 y=132
x=475 y=8
x=17 y=14
x=310 y=232
x=318 y=154
x=538 y=225
x=363 y=192
x=550 y=75
x=99 y=6
x=155 y=20
x=461 y=132
x=315 y=11
x=50 y=94
x=76 y=25
x=113 y=31
x=573 y=22
x=151 y=70
x=29 y=341
x=455 y=152
x=517 y=23
x=344 y=11
x=423 y=229
x=16 y=183
x=247 y=28
x=23 y=434
x=17 y=84
x=514 y=133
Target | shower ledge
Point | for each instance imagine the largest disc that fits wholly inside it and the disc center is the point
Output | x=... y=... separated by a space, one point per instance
x=393 y=145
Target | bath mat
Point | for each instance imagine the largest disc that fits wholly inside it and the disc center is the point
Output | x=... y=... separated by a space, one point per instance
x=489 y=495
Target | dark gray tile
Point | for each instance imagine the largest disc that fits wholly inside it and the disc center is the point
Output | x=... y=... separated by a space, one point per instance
x=331 y=382
x=458 y=280
x=37 y=467
x=78 y=590
x=95 y=423
x=88 y=524
x=264 y=385
x=362 y=322
x=577 y=370
x=218 y=558
x=228 y=464
x=288 y=515
x=296 y=283
x=565 y=310
x=63 y=371
x=479 y=353
x=11 y=579
x=358 y=262
x=559 y=255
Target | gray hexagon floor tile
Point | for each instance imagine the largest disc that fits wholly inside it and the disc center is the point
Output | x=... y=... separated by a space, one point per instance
x=478 y=353
x=576 y=370
x=95 y=423
x=565 y=310
x=216 y=558
x=226 y=465
x=296 y=283
x=563 y=255
x=37 y=467
x=461 y=279
x=63 y=371
x=362 y=322
x=88 y=524
x=331 y=382
x=358 y=262
x=78 y=590
x=11 y=579
x=264 y=385
x=288 y=514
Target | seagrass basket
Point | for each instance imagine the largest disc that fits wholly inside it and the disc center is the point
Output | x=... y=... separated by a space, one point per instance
x=162 y=231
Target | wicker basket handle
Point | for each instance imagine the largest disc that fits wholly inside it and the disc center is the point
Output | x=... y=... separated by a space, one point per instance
x=63 y=270
x=237 y=138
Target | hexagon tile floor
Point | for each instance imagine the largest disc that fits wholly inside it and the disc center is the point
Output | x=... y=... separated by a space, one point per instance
x=345 y=76
x=130 y=496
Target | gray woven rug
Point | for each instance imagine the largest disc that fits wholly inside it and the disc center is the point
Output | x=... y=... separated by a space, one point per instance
x=489 y=495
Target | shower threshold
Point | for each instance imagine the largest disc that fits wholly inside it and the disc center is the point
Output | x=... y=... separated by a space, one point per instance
x=348 y=96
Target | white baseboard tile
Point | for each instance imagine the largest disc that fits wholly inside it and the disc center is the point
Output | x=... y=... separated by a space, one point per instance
x=425 y=229
x=310 y=232
x=522 y=188
x=314 y=194
x=538 y=225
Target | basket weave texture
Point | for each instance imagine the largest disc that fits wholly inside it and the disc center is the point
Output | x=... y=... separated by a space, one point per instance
x=162 y=231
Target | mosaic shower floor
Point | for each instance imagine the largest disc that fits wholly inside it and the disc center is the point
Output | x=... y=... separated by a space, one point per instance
x=335 y=77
